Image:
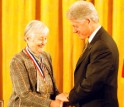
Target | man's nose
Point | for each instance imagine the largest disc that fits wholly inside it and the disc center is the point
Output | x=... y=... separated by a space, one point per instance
x=44 y=42
x=75 y=30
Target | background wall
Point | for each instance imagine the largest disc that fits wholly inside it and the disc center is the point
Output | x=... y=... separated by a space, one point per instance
x=63 y=45
x=1 y=50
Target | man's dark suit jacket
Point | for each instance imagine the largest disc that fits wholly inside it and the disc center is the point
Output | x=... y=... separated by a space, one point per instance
x=95 y=76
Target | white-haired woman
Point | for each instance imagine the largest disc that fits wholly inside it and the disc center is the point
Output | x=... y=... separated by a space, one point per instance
x=31 y=71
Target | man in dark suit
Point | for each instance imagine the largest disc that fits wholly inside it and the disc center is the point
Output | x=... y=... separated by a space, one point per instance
x=95 y=76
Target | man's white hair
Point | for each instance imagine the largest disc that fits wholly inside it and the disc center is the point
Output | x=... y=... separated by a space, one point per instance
x=35 y=27
x=82 y=10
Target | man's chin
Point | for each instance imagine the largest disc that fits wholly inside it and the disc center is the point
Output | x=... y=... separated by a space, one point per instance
x=82 y=38
x=41 y=50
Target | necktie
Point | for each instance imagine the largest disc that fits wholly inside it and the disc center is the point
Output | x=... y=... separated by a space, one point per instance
x=85 y=47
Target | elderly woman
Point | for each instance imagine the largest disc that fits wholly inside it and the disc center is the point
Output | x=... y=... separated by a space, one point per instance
x=31 y=71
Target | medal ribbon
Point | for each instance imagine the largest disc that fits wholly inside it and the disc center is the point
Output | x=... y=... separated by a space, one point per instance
x=35 y=63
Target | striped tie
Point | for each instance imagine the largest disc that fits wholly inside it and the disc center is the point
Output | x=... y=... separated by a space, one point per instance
x=85 y=47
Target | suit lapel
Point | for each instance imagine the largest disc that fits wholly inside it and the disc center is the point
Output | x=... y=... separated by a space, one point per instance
x=31 y=69
x=83 y=56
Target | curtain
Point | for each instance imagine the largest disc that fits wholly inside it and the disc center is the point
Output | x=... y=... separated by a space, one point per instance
x=1 y=50
x=118 y=35
x=64 y=46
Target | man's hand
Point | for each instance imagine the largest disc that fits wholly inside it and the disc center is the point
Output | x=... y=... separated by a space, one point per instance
x=56 y=103
x=62 y=97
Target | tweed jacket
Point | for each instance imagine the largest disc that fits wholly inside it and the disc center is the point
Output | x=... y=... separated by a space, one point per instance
x=24 y=81
x=95 y=76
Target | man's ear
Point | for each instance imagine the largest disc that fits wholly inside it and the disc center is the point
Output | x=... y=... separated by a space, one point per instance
x=89 y=20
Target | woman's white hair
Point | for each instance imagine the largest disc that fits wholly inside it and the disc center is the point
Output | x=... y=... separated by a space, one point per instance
x=82 y=10
x=35 y=27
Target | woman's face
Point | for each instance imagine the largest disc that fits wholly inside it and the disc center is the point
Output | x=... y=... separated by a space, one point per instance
x=37 y=42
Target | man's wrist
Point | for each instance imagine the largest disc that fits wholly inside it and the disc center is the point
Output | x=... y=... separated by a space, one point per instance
x=61 y=104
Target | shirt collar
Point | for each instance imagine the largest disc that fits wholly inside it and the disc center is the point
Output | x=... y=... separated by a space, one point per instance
x=93 y=34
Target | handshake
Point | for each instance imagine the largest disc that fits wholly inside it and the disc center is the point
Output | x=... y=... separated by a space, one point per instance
x=60 y=101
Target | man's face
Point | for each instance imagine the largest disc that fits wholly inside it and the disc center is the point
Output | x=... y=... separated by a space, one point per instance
x=37 y=42
x=81 y=28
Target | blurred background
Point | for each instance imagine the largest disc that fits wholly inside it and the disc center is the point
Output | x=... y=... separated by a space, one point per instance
x=64 y=46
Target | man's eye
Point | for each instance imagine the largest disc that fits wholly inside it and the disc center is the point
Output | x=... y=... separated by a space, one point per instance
x=42 y=39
